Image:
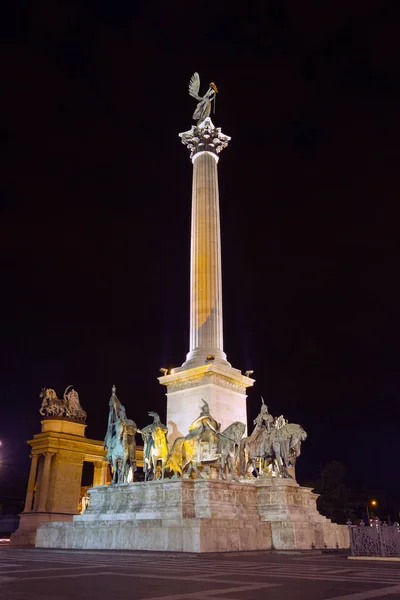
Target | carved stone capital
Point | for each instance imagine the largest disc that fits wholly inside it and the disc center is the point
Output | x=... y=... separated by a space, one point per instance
x=205 y=138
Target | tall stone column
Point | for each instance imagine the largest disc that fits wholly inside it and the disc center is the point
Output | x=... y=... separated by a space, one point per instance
x=44 y=482
x=31 y=483
x=206 y=375
x=205 y=142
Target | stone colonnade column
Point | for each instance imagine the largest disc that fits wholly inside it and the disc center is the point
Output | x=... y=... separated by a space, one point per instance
x=98 y=476
x=206 y=327
x=31 y=483
x=44 y=482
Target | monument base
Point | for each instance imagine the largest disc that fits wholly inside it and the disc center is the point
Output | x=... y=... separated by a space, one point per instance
x=29 y=523
x=197 y=516
x=221 y=386
x=295 y=521
x=171 y=515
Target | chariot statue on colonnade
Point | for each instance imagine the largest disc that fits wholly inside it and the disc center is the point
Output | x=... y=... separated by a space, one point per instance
x=68 y=406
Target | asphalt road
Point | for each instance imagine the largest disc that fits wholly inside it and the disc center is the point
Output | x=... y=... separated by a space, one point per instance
x=66 y=574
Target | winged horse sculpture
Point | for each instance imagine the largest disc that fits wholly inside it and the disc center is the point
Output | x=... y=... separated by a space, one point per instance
x=203 y=108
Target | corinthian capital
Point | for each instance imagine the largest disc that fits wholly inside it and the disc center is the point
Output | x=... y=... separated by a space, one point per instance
x=205 y=138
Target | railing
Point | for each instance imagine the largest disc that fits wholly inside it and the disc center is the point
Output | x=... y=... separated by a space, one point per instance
x=376 y=539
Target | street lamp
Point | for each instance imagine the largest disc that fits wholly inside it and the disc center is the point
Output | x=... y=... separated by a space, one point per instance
x=373 y=503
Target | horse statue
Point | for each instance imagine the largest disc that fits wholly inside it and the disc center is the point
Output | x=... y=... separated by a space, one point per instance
x=51 y=406
x=277 y=442
x=205 y=445
x=155 y=448
x=120 y=441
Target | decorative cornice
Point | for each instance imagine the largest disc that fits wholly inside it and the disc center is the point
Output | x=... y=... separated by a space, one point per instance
x=204 y=375
x=205 y=138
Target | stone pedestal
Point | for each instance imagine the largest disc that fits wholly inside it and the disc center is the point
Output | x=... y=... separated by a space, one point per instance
x=198 y=516
x=54 y=484
x=295 y=521
x=222 y=387
x=180 y=516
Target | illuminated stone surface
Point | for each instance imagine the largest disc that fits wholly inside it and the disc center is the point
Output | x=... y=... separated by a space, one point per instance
x=54 y=484
x=180 y=516
x=295 y=521
x=197 y=516
x=223 y=387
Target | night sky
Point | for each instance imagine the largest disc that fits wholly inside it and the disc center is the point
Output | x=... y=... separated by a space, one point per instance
x=95 y=214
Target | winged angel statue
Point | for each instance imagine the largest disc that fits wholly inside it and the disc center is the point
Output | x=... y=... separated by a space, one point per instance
x=203 y=108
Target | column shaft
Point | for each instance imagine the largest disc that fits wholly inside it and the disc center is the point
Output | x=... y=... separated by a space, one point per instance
x=44 y=483
x=206 y=275
x=98 y=474
x=31 y=483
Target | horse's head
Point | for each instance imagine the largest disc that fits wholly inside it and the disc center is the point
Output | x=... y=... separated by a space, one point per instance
x=303 y=435
x=155 y=416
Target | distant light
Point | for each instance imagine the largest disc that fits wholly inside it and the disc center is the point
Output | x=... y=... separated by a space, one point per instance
x=374 y=502
x=168 y=371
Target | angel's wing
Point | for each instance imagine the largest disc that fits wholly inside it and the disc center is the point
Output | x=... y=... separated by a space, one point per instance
x=194 y=86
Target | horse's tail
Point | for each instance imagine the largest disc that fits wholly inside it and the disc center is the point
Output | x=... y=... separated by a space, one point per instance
x=175 y=456
x=65 y=392
x=242 y=456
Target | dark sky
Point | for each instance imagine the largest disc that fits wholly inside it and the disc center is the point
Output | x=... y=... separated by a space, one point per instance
x=95 y=213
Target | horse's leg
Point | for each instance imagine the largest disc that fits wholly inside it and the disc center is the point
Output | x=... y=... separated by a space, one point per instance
x=162 y=468
x=115 y=470
x=231 y=469
x=189 y=471
x=222 y=469
x=253 y=464
x=196 y=470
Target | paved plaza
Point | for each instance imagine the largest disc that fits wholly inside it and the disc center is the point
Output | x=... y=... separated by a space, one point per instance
x=68 y=574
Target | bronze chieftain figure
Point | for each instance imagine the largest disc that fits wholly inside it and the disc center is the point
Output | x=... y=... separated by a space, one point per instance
x=155 y=447
x=205 y=445
x=120 y=441
x=273 y=440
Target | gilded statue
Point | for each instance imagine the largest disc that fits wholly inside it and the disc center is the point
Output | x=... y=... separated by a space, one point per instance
x=155 y=447
x=205 y=446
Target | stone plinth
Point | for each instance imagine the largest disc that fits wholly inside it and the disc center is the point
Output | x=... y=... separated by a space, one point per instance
x=295 y=521
x=180 y=516
x=198 y=516
x=54 y=484
x=223 y=387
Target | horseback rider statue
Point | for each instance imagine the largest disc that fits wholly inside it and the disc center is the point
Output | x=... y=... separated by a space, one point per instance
x=206 y=431
x=120 y=441
x=274 y=441
x=155 y=447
